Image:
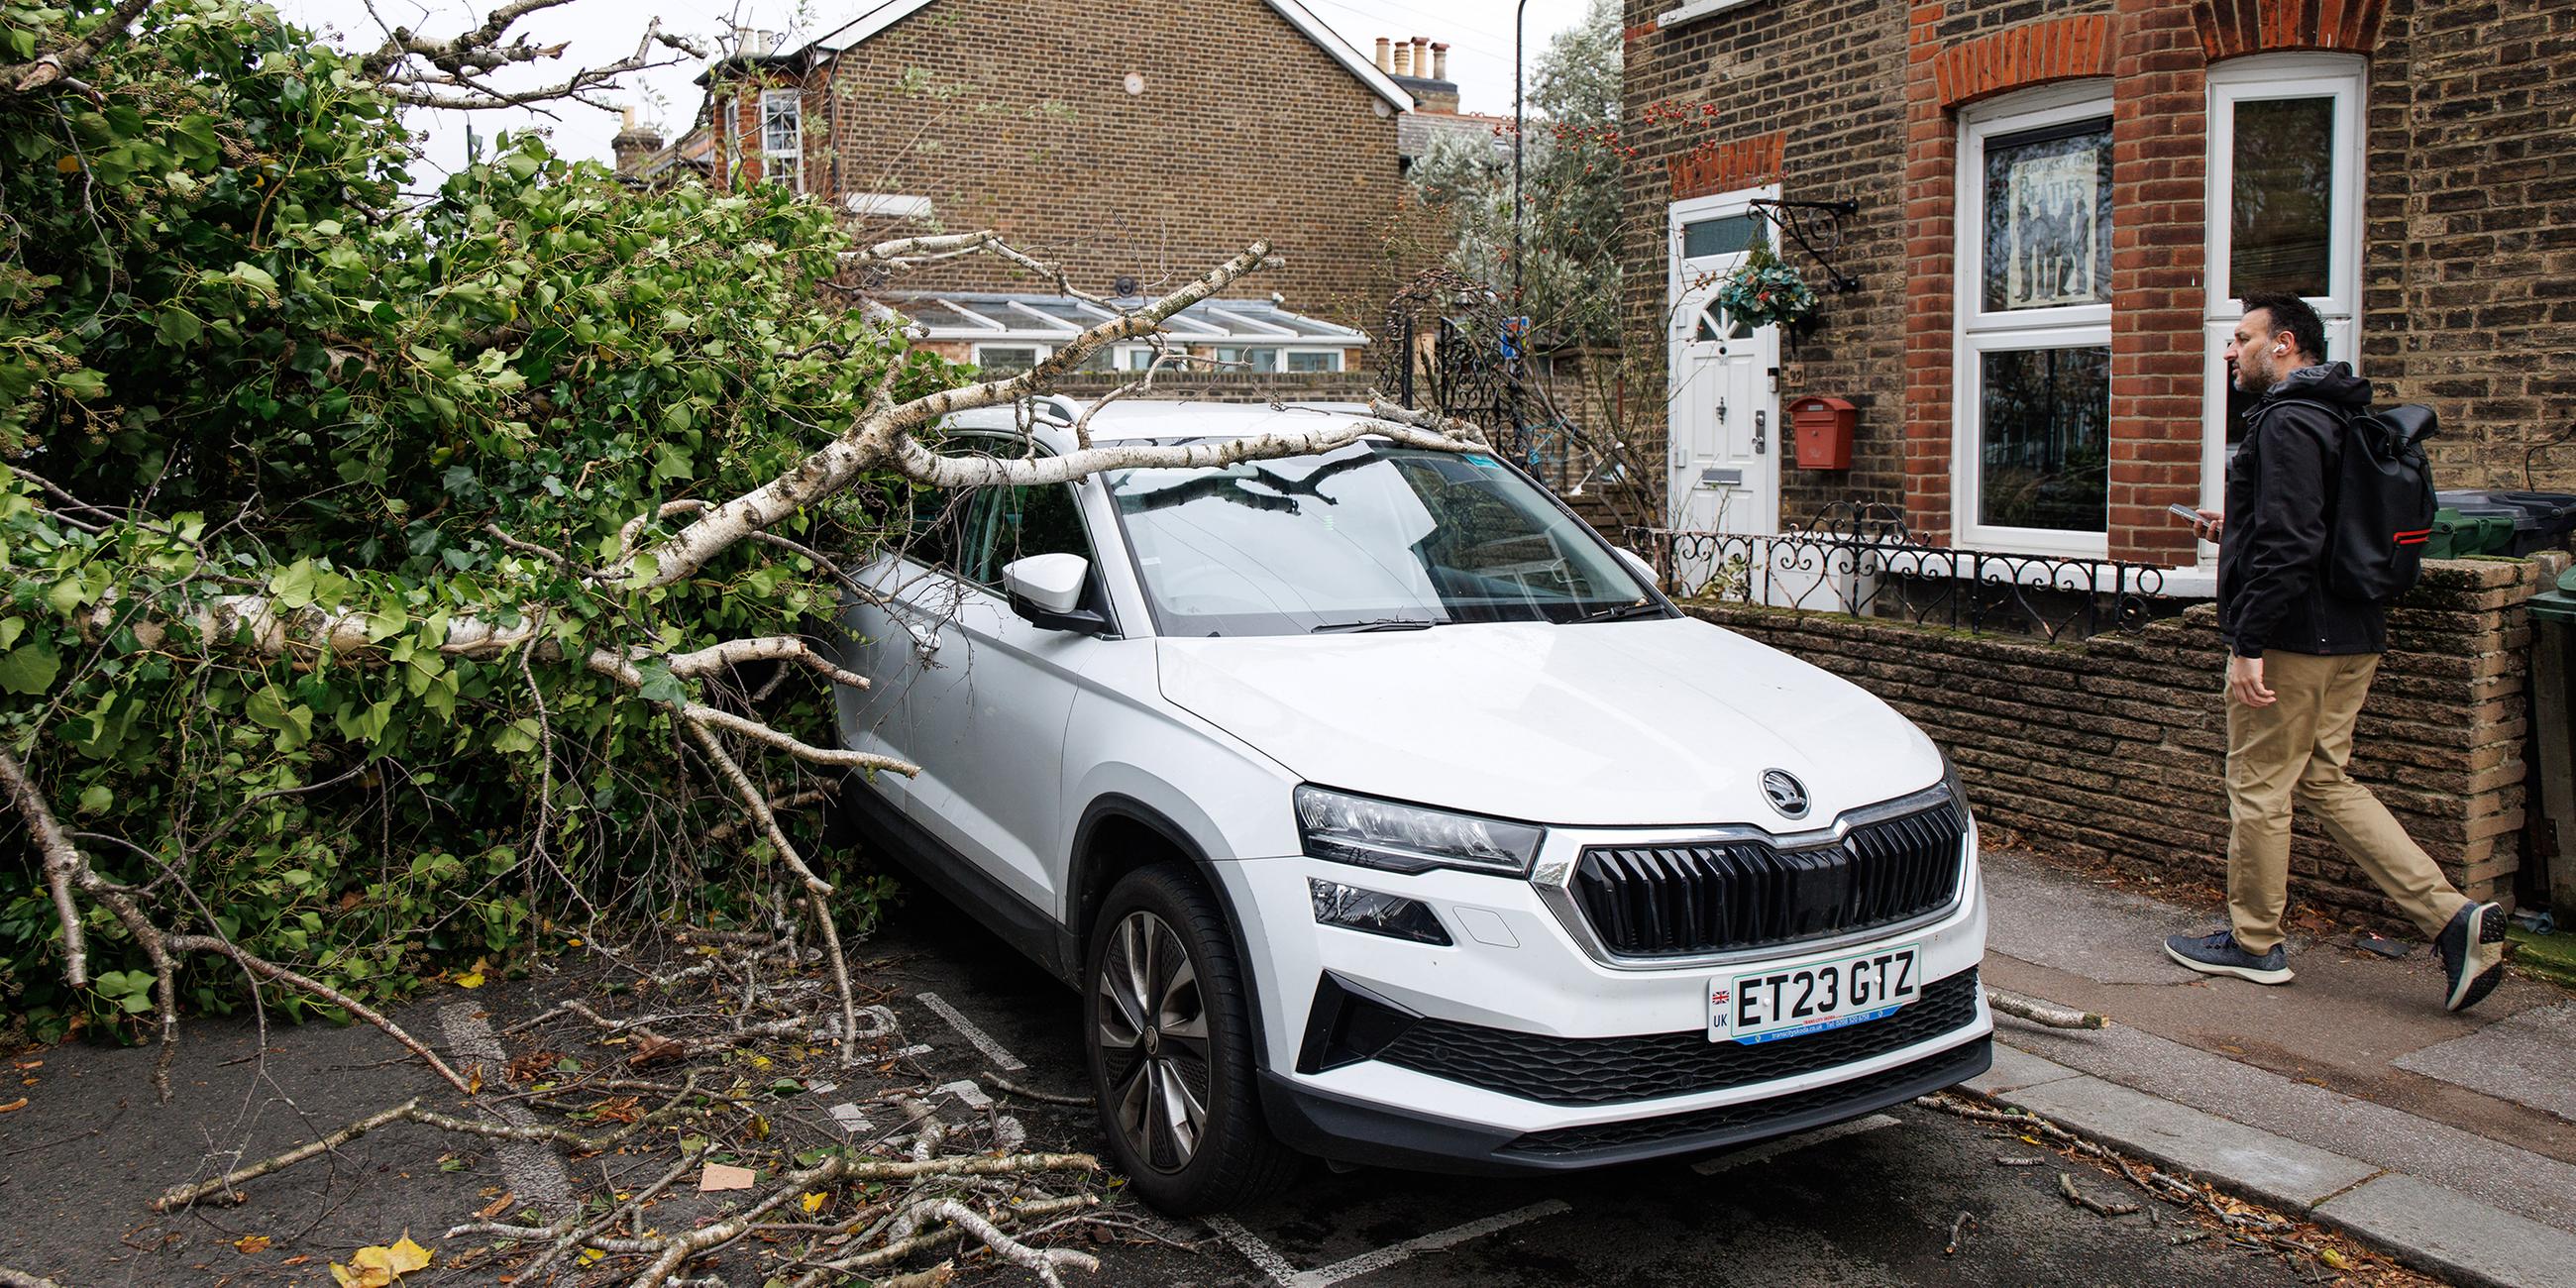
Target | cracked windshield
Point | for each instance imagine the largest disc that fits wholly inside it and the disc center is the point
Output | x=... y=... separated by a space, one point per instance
x=1369 y=537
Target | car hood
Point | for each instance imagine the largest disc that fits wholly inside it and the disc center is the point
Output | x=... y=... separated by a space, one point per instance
x=1652 y=723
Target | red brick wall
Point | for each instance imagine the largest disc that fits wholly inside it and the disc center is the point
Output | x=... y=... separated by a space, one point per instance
x=2159 y=231
x=1016 y=120
x=2115 y=750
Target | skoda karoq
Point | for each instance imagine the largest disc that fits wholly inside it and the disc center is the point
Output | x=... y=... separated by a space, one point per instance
x=1378 y=809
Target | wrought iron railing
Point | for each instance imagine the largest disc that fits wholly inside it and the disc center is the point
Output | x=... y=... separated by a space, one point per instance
x=1860 y=561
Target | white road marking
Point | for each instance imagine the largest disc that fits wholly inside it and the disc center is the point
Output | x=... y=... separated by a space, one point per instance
x=535 y=1174
x=1263 y=1257
x=967 y=1093
x=993 y=1051
x=1370 y=1262
x=1267 y=1260
x=1764 y=1153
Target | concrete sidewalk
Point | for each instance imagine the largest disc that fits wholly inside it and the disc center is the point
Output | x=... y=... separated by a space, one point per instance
x=2348 y=1096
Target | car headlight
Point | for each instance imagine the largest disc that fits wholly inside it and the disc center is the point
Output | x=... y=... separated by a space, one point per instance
x=1409 y=838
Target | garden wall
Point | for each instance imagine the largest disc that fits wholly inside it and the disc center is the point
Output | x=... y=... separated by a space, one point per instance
x=2114 y=750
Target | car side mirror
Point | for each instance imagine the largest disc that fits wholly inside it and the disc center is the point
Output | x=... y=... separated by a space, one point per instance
x=1046 y=591
x=1639 y=565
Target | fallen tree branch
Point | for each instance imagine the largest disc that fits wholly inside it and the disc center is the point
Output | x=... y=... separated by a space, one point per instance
x=2041 y=1013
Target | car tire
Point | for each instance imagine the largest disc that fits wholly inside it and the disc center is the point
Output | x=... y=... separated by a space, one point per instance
x=1176 y=1079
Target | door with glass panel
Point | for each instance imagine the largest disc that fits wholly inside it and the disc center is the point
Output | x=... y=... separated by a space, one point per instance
x=1723 y=457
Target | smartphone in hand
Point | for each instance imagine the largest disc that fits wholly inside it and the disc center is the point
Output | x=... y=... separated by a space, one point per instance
x=2184 y=512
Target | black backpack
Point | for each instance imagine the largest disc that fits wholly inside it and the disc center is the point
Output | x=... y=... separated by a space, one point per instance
x=2383 y=502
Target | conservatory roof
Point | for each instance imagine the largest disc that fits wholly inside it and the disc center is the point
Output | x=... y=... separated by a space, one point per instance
x=989 y=315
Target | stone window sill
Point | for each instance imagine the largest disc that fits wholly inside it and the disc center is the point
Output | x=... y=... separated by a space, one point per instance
x=1694 y=10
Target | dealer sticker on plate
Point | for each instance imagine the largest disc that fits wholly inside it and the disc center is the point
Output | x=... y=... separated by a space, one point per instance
x=1810 y=997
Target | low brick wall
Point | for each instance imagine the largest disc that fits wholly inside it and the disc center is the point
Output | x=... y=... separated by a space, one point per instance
x=2115 y=749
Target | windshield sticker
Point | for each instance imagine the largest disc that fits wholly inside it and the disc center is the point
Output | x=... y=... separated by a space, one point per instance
x=1486 y=461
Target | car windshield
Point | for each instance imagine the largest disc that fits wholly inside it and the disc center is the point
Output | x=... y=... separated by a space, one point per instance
x=1371 y=536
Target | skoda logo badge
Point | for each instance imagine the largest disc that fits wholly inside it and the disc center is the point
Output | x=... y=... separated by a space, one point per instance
x=1788 y=795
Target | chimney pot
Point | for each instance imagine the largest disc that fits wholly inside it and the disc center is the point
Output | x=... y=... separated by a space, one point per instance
x=1422 y=55
x=1385 y=60
x=1403 y=60
x=1440 y=61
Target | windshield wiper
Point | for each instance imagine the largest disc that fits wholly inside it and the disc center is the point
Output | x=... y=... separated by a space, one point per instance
x=1623 y=612
x=1374 y=624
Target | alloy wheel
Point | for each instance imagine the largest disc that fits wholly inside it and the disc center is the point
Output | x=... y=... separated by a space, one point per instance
x=1153 y=1033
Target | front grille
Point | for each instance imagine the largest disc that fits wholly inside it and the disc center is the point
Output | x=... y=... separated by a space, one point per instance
x=1752 y=1119
x=1593 y=1071
x=1679 y=900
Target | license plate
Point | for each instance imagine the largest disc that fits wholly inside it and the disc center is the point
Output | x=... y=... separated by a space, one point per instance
x=1810 y=997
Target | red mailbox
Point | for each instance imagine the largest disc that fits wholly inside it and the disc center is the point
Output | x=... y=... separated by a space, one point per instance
x=1824 y=429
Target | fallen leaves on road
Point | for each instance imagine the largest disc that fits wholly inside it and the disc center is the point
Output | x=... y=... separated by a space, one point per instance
x=379 y=1266
x=14 y=1105
x=251 y=1245
x=497 y=1206
x=653 y=1048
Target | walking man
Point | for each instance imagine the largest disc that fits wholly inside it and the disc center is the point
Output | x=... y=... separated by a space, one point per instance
x=2300 y=662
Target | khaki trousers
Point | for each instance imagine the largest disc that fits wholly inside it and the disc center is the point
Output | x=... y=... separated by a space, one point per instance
x=2297 y=748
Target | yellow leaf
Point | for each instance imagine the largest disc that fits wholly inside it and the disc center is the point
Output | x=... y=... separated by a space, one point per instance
x=251 y=1244
x=407 y=1256
x=474 y=1080
x=591 y=1256
x=814 y=1202
x=470 y=979
x=66 y=164
x=2335 y=1259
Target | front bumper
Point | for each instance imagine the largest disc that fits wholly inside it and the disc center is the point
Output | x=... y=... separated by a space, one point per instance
x=1355 y=1131
x=1515 y=966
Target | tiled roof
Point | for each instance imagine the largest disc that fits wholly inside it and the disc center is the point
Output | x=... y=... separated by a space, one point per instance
x=1415 y=132
x=993 y=315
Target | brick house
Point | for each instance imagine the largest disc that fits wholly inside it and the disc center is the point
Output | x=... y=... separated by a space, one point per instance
x=2056 y=205
x=1135 y=144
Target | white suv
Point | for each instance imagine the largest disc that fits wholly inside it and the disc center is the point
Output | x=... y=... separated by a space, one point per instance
x=1379 y=810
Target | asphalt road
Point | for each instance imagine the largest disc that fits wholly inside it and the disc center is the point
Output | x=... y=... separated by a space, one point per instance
x=1872 y=1205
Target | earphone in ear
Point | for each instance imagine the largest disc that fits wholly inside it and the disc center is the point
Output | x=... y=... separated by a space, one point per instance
x=2279 y=349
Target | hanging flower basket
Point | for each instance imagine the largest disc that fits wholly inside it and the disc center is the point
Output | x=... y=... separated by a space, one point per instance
x=1765 y=292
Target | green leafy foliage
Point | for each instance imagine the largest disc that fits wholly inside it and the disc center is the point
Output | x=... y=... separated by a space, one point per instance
x=261 y=370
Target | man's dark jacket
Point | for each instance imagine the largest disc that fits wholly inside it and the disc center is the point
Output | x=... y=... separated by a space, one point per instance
x=2280 y=505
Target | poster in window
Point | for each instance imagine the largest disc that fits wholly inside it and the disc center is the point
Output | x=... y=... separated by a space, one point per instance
x=2048 y=220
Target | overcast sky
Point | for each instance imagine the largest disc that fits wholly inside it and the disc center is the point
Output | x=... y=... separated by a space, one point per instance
x=1479 y=33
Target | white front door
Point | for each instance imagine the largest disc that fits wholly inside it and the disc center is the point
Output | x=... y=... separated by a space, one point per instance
x=1723 y=455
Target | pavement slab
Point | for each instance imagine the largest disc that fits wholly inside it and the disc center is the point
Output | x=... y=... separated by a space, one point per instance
x=2524 y=1059
x=2275 y=1169
x=2531 y=1185
x=2441 y=1233
x=2104 y=933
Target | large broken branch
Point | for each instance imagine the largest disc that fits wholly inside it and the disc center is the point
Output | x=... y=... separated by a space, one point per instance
x=420 y=72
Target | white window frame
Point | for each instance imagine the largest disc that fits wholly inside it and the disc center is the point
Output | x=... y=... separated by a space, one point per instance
x=1249 y=365
x=2262 y=78
x=975 y=352
x=783 y=165
x=1339 y=359
x=1976 y=331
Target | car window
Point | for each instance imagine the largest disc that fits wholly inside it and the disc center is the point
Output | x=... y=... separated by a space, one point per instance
x=1010 y=523
x=1368 y=535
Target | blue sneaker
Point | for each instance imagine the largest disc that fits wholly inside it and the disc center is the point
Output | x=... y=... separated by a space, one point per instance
x=2472 y=950
x=2219 y=954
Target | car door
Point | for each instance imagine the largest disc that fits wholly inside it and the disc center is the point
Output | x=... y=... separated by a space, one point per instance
x=889 y=632
x=985 y=718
